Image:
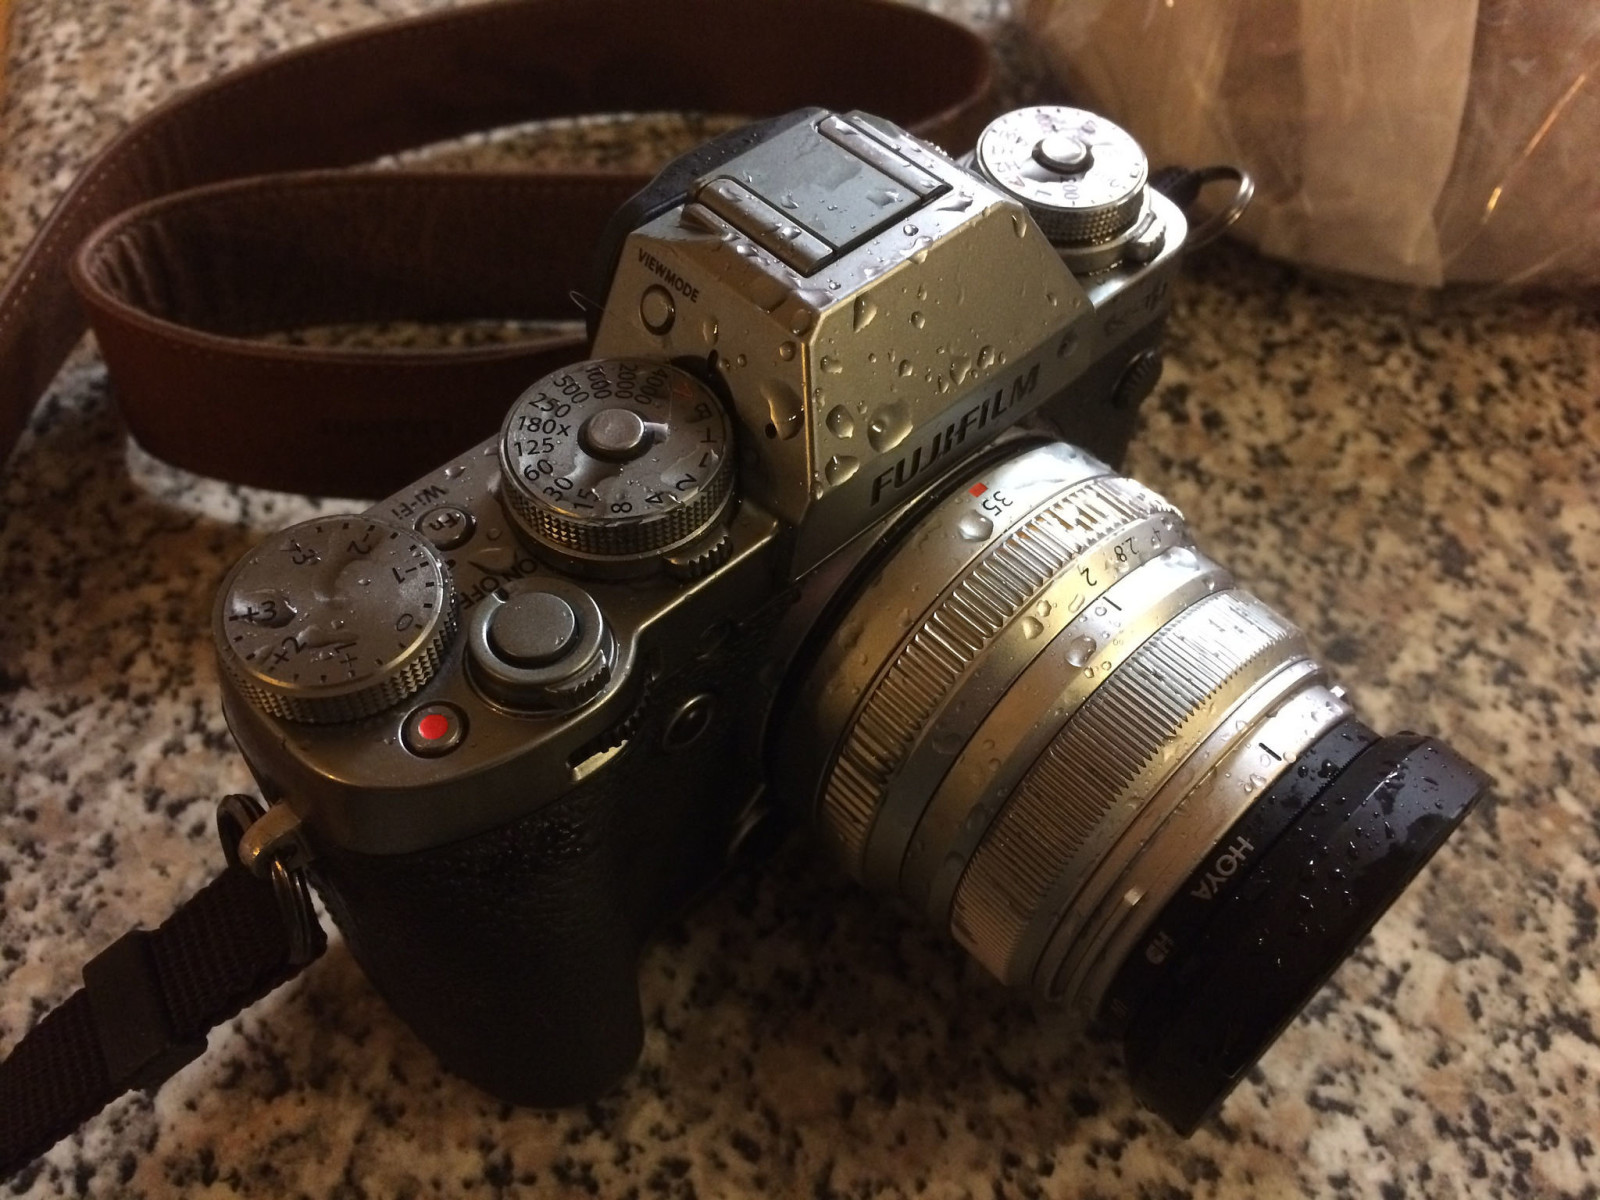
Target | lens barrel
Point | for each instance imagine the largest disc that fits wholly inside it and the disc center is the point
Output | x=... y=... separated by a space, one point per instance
x=1042 y=716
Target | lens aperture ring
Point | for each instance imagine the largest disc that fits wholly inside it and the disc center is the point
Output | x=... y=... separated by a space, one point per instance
x=1103 y=765
x=998 y=587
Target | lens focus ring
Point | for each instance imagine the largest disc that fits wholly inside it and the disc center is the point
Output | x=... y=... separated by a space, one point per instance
x=1107 y=759
x=1001 y=584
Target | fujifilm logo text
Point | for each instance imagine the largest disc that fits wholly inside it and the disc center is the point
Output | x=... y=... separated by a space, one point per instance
x=977 y=418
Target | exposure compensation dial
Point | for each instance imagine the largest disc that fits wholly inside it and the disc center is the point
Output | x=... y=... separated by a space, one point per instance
x=613 y=465
x=335 y=619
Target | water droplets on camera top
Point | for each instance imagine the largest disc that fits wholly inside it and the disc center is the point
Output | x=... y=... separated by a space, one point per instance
x=889 y=426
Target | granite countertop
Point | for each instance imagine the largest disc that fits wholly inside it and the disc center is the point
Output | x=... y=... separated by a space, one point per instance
x=1415 y=479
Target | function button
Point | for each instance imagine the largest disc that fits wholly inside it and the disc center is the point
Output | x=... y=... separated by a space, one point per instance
x=532 y=629
x=447 y=527
x=433 y=730
x=657 y=309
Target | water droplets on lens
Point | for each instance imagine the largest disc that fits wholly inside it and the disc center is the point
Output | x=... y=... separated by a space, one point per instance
x=1080 y=650
x=975 y=527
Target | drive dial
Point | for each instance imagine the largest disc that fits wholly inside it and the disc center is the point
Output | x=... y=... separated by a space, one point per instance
x=614 y=464
x=335 y=619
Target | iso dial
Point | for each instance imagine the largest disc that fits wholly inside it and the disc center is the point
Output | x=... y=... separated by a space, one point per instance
x=335 y=619
x=612 y=464
x=1081 y=176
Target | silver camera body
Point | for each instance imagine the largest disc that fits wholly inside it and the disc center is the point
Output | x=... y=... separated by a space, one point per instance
x=819 y=529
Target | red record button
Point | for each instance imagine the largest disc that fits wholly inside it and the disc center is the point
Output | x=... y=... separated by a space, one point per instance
x=433 y=729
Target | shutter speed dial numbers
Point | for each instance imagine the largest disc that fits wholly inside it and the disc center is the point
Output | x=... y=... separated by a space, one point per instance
x=335 y=619
x=611 y=465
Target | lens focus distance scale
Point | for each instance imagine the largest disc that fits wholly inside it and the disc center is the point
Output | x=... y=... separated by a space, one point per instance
x=999 y=586
x=1137 y=727
x=616 y=462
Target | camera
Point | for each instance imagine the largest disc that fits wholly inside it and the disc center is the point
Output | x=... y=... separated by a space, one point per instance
x=824 y=533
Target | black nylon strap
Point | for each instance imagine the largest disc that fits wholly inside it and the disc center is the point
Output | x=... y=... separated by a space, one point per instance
x=148 y=1002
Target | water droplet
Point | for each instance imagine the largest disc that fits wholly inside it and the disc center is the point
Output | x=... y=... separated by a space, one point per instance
x=746 y=249
x=975 y=527
x=708 y=330
x=959 y=202
x=801 y=321
x=1050 y=299
x=947 y=742
x=1019 y=225
x=941 y=385
x=909 y=230
x=864 y=311
x=840 y=467
x=741 y=361
x=918 y=320
x=985 y=357
x=849 y=634
x=889 y=426
x=841 y=423
x=885 y=196
x=872 y=356
x=831 y=365
x=905 y=367
x=784 y=407
x=1043 y=609
x=960 y=368
x=788 y=200
x=1032 y=627
x=1254 y=783
x=786 y=351
x=1080 y=650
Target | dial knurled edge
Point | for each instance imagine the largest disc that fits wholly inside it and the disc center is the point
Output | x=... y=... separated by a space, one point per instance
x=409 y=679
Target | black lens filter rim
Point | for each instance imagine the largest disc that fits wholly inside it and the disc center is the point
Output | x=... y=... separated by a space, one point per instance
x=1171 y=937
x=1285 y=927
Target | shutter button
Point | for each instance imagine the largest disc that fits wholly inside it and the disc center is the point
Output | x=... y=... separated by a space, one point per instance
x=541 y=645
x=533 y=629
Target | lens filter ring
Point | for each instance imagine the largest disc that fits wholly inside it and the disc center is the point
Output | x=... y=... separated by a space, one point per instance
x=1299 y=913
x=1170 y=937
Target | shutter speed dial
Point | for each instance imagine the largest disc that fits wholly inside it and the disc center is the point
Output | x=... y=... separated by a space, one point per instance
x=613 y=465
x=335 y=619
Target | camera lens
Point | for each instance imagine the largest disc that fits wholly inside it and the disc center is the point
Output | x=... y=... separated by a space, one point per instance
x=1042 y=716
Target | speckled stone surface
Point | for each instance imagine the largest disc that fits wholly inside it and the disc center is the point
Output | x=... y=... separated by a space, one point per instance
x=1417 y=481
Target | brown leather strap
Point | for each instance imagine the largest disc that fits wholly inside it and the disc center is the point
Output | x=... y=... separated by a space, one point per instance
x=219 y=219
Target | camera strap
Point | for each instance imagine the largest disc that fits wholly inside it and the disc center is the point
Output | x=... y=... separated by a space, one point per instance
x=223 y=215
x=226 y=213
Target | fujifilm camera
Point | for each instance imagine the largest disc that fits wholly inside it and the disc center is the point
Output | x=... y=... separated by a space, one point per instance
x=824 y=532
